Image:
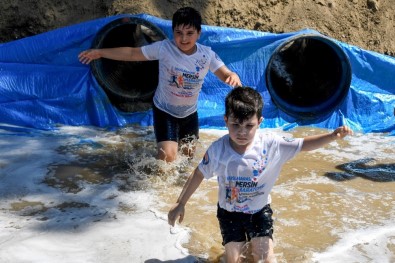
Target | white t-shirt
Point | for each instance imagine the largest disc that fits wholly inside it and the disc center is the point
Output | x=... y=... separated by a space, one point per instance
x=245 y=181
x=180 y=76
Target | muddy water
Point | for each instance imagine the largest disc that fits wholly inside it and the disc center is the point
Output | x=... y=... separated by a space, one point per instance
x=321 y=199
x=335 y=204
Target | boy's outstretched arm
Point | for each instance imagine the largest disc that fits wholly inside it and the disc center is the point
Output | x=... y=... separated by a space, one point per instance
x=119 y=53
x=316 y=141
x=178 y=210
x=227 y=76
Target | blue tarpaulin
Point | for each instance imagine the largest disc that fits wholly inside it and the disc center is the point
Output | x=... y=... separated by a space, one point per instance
x=43 y=84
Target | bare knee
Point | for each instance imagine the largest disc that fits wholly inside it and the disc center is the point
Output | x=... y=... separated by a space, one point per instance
x=167 y=151
x=166 y=156
x=233 y=251
x=262 y=250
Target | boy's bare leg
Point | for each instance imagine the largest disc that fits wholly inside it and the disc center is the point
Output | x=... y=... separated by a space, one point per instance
x=167 y=151
x=262 y=250
x=233 y=251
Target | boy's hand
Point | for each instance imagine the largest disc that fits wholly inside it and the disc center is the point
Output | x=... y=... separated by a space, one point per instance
x=342 y=132
x=87 y=56
x=176 y=211
x=233 y=80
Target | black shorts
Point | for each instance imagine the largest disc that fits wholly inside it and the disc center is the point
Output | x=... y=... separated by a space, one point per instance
x=170 y=128
x=241 y=227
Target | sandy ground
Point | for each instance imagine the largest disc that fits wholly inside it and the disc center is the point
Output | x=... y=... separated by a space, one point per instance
x=365 y=23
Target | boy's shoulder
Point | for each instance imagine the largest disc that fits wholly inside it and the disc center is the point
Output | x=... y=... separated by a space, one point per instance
x=221 y=139
x=202 y=45
x=266 y=135
x=219 y=142
x=204 y=48
x=279 y=139
x=273 y=137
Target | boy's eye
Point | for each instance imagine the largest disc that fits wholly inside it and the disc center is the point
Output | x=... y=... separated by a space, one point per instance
x=238 y=125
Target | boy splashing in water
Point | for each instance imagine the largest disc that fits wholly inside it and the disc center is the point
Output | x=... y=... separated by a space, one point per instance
x=247 y=165
x=183 y=65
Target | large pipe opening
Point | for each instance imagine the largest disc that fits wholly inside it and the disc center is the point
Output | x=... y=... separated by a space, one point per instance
x=308 y=76
x=130 y=86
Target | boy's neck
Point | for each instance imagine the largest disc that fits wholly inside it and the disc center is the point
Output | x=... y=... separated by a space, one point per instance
x=190 y=52
x=240 y=149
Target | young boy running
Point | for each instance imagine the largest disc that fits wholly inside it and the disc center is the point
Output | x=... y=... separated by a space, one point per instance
x=183 y=65
x=247 y=164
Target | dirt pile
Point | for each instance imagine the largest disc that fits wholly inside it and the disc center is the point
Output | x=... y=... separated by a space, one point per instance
x=368 y=24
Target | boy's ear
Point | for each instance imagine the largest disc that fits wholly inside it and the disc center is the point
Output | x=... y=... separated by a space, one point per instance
x=226 y=120
x=260 y=120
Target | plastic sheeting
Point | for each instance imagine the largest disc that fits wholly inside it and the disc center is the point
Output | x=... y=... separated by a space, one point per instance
x=42 y=83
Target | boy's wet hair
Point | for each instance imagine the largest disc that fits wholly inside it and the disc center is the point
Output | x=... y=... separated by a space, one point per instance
x=242 y=103
x=187 y=16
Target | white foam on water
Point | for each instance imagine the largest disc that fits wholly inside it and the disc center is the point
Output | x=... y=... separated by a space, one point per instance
x=359 y=146
x=102 y=223
x=362 y=246
x=96 y=227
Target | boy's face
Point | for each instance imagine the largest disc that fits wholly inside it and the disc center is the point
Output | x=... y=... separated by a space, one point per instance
x=185 y=38
x=242 y=134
